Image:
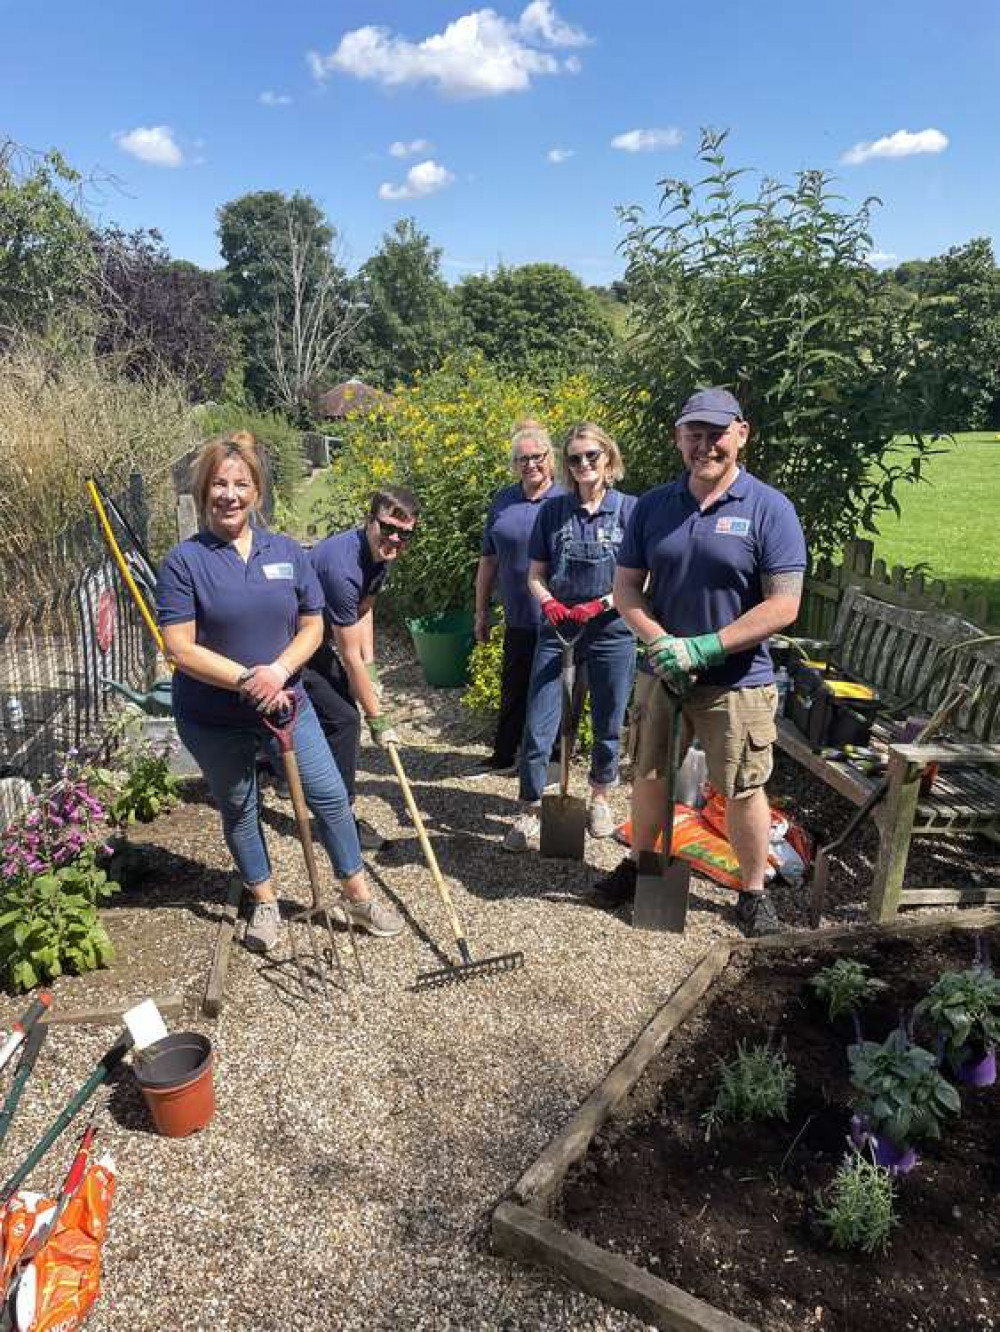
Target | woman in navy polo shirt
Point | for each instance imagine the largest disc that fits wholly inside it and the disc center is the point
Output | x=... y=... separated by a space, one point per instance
x=241 y=611
x=574 y=546
x=505 y=558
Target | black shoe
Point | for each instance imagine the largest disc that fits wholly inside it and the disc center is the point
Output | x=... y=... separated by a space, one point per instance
x=370 y=838
x=494 y=767
x=756 y=913
x=616 y=888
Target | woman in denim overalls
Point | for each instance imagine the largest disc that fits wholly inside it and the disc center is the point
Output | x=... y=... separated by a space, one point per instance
x=573 y=549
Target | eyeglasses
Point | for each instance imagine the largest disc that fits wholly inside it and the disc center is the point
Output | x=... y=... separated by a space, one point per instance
x=589 y=458
x=531 y=459
x=391 y=529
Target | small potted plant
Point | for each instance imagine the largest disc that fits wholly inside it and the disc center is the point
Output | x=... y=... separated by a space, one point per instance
x=845 y=986
x=859 y=1209
x=901 y=1097
x=964 y=1009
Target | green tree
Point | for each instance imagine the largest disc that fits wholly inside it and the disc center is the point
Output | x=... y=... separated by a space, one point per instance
x=958 y=311
x=412 y=320
x=46 y=257
x=769 y=292
x=538 y=320
x=288 y=293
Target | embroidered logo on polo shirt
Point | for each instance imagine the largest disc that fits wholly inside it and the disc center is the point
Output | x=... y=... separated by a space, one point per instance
x=732 y=526
x=283 y=570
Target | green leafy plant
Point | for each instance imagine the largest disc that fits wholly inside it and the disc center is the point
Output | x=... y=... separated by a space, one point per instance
x=755 y=1084
x=144 y=787
x=846 y=985
x=964 y=1008
x=49 y=925
x=901 y=1094
x=859 y=1211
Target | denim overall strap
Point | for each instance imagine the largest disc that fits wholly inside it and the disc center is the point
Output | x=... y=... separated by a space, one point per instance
x=584 y=568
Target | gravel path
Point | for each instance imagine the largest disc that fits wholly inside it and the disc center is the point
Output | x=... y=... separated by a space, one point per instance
x=348 y=1178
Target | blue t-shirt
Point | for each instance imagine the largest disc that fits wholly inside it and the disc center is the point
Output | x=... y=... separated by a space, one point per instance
x=247 y=611
x=707 y=565
x=508 y=529
x=347 y=574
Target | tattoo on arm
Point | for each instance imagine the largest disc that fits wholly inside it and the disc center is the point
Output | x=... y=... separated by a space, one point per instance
x=782 y=584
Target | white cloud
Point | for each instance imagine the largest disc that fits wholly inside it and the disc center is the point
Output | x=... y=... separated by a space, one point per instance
x=424 y=178
x=154 y=145
x=480 y=54
x=401 y=149
x=882 y=259
x=903 y=143
x=540 y=20
x=647 y=140
x=559 y=155
x=274 y=99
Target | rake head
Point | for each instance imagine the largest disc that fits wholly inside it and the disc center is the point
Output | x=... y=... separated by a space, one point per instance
x=467 y=969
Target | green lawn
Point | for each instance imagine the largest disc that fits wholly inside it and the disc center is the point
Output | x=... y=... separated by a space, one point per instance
x=950 y=522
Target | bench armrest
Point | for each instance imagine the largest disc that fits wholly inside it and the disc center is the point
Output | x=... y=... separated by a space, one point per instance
x=949 y=753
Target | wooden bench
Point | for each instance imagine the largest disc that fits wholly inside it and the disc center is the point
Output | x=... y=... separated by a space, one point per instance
x=904 y=654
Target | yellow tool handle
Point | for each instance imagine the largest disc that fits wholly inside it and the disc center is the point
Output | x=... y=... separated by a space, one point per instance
x=124 y=570
x=425 y=845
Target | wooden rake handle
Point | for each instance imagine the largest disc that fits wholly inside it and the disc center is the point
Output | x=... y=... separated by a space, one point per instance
x=432 y=864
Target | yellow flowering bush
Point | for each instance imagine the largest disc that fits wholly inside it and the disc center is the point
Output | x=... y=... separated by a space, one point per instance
x=447 y=438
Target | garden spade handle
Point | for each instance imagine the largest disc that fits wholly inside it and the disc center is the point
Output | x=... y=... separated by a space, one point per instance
x=432 y=864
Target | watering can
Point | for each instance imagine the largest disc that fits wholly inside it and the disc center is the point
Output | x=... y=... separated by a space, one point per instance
x=156 y=702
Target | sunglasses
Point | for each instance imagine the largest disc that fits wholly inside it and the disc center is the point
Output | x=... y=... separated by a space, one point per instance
x=391 y=529
x=590 y=458
x=531 y=459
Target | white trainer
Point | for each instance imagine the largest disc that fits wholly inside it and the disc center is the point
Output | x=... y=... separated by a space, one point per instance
x=523 y=834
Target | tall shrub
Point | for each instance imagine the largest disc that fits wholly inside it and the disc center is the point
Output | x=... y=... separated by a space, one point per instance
x=448 y=438
x=766 y=288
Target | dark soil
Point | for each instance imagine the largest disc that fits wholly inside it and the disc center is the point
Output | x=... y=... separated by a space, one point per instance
x=733 y=1220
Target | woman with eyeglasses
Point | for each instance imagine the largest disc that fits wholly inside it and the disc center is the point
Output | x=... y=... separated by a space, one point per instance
x=242 y=611
x=504 y=559
x=573 y=550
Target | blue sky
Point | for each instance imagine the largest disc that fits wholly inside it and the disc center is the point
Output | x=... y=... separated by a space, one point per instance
x=190 y=105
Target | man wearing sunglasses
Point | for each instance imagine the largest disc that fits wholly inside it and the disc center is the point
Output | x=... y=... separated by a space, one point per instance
x=711 y=565
x=352 y=568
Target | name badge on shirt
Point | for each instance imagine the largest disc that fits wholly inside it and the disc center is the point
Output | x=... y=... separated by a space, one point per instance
x=732 y=526
x=283 y=570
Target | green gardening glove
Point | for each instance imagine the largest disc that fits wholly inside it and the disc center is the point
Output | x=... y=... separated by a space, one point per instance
x=674 y=659
x=383 y=732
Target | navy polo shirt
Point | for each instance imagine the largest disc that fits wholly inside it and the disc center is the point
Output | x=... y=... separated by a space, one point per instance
x=508 y=530
x=707 y=565
x=586 y=526
x=247 y=611
x=347 y=574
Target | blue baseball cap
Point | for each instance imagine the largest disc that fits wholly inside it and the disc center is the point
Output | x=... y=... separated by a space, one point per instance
x=714 y=406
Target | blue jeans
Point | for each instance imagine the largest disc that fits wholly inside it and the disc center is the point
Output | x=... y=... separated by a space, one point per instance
x=609 y=651
x=227 y=755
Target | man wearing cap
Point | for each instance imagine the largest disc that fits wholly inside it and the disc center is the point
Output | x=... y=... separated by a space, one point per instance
x=724 y=556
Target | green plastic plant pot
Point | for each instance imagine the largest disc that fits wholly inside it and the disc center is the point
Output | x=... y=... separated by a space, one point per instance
x=444 y=644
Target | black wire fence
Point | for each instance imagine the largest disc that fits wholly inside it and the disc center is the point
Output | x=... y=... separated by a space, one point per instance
x=67 y=626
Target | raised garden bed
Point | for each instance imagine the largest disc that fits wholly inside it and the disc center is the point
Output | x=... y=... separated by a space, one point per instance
x=633 y=1204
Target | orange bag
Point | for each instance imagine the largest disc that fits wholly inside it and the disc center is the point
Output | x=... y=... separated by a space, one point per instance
x=59 y=1285
x=697 y=843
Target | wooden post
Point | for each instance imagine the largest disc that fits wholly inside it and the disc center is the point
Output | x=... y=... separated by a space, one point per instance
x=895 y=830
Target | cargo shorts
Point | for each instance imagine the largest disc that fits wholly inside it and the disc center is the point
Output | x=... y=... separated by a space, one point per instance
x=735 y=727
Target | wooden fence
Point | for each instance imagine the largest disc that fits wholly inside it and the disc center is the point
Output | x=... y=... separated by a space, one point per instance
x=827 y=582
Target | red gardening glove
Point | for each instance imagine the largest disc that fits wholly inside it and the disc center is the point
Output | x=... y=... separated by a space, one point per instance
x=587 y=610
x=555 y=612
